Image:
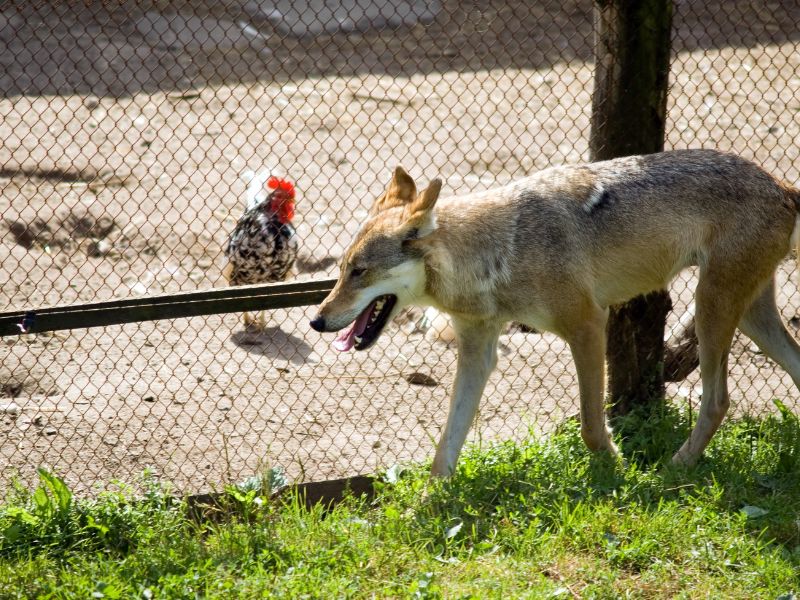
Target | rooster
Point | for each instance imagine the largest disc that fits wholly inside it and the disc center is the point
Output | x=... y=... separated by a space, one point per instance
x=263 y=246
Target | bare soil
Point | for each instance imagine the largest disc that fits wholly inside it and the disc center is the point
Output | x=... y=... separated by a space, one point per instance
x=121 y=172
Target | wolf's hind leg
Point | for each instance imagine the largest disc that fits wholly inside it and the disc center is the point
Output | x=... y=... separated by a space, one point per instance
x=720 y=306
x=762 y=323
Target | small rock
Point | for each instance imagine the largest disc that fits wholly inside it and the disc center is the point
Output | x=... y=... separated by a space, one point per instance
x=417 y=378
x=98 y=248
x=91 y=102
x=149 y=399
x=12 y=408
x=50 y=431
x=139 y=288
x=754 y=512
x=437 y=326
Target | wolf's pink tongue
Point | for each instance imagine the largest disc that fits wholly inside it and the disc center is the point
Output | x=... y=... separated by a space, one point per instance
x=347 y=339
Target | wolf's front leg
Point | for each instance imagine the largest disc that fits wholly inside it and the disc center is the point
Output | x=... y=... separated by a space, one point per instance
x=477 y=357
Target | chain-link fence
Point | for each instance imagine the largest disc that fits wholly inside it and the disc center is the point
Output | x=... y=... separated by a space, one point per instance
x=131 y=132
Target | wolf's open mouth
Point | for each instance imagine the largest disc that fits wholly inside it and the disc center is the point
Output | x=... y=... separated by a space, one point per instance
x=367 y=326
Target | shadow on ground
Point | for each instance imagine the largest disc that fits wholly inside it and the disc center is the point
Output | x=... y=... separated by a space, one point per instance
x=122 y=48
x=273 y=342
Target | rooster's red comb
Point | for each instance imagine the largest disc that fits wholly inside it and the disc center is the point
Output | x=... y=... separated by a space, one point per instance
x=284 y=185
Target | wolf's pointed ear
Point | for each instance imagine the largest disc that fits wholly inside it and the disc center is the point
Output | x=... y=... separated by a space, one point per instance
x=402 y=186
x=425 y=201
x=401 y=191
x=420 y=211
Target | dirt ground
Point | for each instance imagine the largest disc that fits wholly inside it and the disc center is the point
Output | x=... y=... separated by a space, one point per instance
x=122 y=161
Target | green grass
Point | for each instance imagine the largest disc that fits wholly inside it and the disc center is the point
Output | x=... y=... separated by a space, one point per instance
x=544 y=519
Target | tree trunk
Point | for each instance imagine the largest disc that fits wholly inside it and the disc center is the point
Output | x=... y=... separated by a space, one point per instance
x=632 y=51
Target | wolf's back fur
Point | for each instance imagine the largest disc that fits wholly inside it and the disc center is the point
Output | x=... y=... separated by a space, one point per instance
x=655 y=216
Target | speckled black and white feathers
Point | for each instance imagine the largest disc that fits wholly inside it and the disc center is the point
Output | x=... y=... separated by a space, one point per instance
x=260 y=249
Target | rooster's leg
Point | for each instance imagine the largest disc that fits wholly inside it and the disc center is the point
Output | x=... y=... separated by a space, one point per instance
x=255 y=320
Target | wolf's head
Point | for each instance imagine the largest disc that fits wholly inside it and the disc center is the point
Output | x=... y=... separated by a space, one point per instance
x=383 y=270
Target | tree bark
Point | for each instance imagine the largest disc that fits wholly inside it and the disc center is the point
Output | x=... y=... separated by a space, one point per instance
x=632 y=51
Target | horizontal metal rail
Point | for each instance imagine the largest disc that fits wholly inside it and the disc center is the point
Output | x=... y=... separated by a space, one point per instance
x=165 y=306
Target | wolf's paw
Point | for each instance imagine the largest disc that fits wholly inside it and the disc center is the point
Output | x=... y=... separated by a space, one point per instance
x=684 y=458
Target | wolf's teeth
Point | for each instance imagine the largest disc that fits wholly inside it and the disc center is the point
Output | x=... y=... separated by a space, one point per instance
x=357 y=338
x=379 y=305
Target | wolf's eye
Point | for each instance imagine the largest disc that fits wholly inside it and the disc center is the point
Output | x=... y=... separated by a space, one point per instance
x=356 y=272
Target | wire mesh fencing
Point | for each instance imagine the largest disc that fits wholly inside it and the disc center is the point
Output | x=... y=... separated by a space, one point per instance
x=133 y=134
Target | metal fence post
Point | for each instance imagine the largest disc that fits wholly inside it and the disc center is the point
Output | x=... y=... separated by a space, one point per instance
x=632 y=52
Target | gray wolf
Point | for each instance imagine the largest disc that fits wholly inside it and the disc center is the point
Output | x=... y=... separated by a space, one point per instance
x=555 y=250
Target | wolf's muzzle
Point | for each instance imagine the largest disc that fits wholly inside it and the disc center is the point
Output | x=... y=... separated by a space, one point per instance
x=318 y=323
